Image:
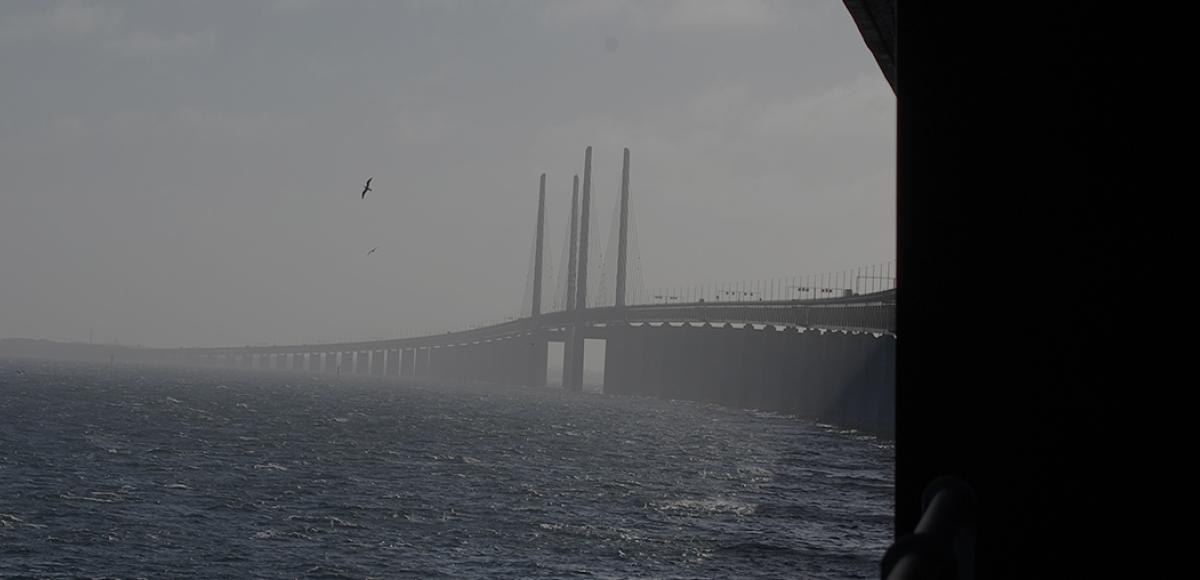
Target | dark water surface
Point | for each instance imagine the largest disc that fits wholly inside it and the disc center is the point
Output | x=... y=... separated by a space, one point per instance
x=136 y=472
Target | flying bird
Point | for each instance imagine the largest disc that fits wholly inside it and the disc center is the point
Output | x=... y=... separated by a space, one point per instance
x=367 y=188
x=372 y=250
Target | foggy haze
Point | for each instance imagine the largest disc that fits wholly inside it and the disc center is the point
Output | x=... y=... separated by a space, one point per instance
x=190 y=174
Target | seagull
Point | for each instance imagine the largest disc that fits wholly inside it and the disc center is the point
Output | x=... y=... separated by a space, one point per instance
x=372 y=250
x=367 y=188
x=20 y=372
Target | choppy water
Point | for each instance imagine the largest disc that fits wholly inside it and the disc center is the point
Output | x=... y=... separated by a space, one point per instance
x=134 y=472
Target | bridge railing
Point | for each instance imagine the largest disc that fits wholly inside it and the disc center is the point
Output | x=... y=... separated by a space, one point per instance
x=860 y=281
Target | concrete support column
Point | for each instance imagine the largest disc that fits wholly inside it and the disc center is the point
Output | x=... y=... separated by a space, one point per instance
x=887 y=363
x=792 y=359
x=708 y=383
x=691 y=375
x=654 y=366
x=517 y=357
x=733 y=357
x=675 y=363
x=568 y=359
x=406 y=362
x=377 y=363
x=490 y=361
x=809 y=385
x=616 y=360
x=421 y=362
x=755 y=362
x=457 y=365
x=838 y=378
x=393 y=363
x=821 y=375
x=538 y=354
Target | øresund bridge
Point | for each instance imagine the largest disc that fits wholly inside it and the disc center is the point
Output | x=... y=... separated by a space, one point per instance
x=821 y=348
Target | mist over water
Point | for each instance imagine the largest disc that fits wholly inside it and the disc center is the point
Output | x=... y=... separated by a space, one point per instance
x=138 y=472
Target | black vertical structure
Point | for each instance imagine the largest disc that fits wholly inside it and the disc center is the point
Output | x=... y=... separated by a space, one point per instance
x=573 y=245
x=536 y=372
x=572 y=268
x=536 y=307
x=1015 y=163
x=578 y=330
x=623 y=232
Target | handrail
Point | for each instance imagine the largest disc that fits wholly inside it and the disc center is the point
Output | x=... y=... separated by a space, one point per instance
x=942 y=547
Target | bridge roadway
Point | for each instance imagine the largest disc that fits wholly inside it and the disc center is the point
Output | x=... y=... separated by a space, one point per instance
x=831 y=360
x=873 y=313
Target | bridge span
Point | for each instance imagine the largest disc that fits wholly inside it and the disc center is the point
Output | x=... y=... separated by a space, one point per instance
x=830 y=359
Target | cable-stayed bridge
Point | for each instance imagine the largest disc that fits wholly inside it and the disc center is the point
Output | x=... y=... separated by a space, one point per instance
x=817 y=346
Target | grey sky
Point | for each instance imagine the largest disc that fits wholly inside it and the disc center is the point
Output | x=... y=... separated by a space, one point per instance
x=187 y=174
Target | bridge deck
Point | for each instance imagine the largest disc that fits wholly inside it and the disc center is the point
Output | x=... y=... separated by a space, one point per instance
x=864 y=312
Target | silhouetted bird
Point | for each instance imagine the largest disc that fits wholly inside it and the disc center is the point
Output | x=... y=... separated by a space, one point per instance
x=367 y=188
x=372 y=250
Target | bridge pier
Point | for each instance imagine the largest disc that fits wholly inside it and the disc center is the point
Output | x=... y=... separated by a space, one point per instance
x=754 y=365
x=653 y=368
x=456 y=365
x=691 y=374
x=568 y=359
x=819 y=374
x=362 y=362
x=423 y=362
x=462 y=357
x=737 y=351
x=516 y=365
x=790 y=356
x=314 y=362
x=377 y=363
x=709 y=348
x=393 y=363
x=406 y=362
x=616 y=359
x=674 y=363
x=489 y=361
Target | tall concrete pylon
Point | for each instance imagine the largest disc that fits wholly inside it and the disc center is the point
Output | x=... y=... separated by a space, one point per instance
x=578 y=332
x=623 y=233
x=537 y=351
x=539 y=241
x=572 y=269
x=573 y=246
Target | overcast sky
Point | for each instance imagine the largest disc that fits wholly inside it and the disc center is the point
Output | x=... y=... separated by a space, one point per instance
x=188 y=174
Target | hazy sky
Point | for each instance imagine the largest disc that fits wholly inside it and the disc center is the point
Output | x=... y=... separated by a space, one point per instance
x=188 y=174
